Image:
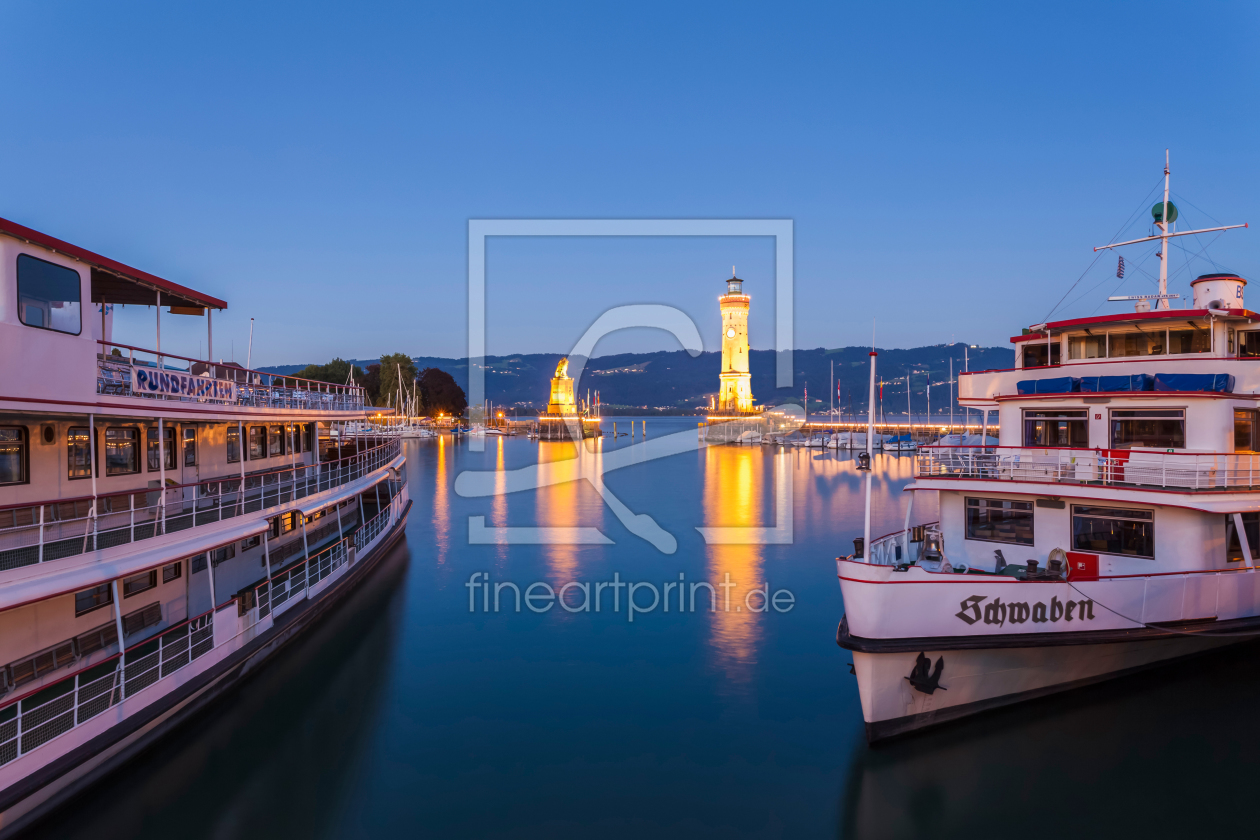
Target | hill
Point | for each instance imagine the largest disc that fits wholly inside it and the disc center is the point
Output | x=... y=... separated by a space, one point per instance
x=674 y=382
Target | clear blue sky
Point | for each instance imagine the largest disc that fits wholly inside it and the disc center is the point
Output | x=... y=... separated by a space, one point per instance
x=948 y=169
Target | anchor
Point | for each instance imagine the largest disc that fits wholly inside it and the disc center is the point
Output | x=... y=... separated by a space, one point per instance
x=920 y=679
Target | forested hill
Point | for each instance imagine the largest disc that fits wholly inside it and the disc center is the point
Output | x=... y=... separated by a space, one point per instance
x=674 y=381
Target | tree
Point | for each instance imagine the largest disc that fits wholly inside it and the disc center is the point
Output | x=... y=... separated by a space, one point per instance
x=391 y=366
x=372 y=384
x=441 y=393
x=337 y=372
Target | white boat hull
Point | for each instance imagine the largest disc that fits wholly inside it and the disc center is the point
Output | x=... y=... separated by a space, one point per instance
x=975 y=680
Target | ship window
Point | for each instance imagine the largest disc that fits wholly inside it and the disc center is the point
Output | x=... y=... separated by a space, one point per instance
x=168 y=447
x=308 y=434
x=190 y=447
x=13 y=453
x=1153 y=428
x=224 y=553
x=122 y=451
x=139 y=583
x=144 y=617
x=1113 y=530
x=257 y=442
x=34 y=667
x=1000 y=520
x=92 y=599
x=1120 y=345
x=1056 y=428
x=1251 y=526
x=1244 y=431
x=250 y=542
x=1087 y=347
x=234 y=444
x=1249 y=344
x=48 y=295
x=275 y=441
x=79 y=452
x=198 y=564
x=171 y=572
x=1035 y=354
x=1194 y=340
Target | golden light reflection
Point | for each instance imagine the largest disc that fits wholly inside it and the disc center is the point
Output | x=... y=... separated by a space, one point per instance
x=557 y=505
x=441 y=502
x=499 y=505
x=734 y=495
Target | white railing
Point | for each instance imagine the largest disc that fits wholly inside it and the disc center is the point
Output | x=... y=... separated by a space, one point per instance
x=35 y=720
x=31 y=721
x=115 y=363
x=50 y=530
x=1123 y=467
x=369 y=531
x=900 y=547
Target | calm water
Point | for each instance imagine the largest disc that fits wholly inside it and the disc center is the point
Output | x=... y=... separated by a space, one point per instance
x=405 y=714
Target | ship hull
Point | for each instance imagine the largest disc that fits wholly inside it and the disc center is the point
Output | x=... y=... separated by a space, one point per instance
x=976 y=679
x=25 y=802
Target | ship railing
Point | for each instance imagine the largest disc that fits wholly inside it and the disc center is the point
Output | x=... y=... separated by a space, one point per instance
x=118 y=367
x=39 y=532
x=904 y=546
x=39 y=716
x=35 y=719
x=1184 y=471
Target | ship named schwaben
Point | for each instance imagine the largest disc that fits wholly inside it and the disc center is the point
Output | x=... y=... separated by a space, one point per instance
x=167 y=524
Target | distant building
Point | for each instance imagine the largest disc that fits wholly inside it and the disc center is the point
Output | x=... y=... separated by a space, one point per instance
x=736 y=393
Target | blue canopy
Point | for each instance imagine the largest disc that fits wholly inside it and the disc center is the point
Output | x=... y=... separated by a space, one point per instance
x=1057 y=385
x=1221 y=383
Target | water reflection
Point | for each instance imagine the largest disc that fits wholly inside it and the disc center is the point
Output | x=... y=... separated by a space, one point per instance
x=441 y=497
x=556 y=504
x=1148 y=756
x=278 y=755
x=734 y=495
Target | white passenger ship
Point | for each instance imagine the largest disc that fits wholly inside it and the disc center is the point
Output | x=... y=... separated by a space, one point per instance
x=1115 y=526
x=166 y=524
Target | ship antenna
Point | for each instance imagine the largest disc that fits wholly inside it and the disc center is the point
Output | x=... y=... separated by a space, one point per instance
x=1164 y=227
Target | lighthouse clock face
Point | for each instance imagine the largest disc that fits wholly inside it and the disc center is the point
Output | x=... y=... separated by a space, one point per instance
x=730 y=332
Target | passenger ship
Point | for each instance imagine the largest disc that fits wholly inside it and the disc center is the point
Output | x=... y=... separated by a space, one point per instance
x=1115 y=526
x=167 y=524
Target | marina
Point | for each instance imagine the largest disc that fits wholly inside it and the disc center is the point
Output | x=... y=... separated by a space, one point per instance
x=406 y=675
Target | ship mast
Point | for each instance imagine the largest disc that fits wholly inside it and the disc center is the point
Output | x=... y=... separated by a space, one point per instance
x=1163 y=243
x=1165 y=228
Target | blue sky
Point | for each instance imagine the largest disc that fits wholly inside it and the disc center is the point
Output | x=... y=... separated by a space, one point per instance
x=948 y=168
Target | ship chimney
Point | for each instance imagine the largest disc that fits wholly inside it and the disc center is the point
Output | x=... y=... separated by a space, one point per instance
x=1224 y=290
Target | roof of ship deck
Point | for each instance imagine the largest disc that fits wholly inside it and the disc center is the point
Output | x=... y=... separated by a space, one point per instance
x=1133 y=318
x=112 y=281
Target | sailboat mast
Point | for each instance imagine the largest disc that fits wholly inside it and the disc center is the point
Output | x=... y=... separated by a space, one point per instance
x=1164 y=228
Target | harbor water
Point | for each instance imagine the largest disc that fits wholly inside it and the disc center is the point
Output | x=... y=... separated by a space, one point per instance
x=419 y=710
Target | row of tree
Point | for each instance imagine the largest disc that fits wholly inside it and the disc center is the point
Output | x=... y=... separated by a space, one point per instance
x=436 y=391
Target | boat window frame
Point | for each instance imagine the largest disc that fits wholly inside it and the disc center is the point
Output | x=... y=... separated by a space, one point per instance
x=21 y=310
x=1078 y=415
x=1113 y=411
x=233 y=432
x=94 y=468
x=137 y=583
x=135 y=441
x=24 y=447
x=967 y=525
x=259 y=432
x=151 y=448
x=95 y=592
x=1107 y=506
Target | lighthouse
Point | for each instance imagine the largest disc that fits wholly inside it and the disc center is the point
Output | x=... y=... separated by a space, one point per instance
x=736 y=394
